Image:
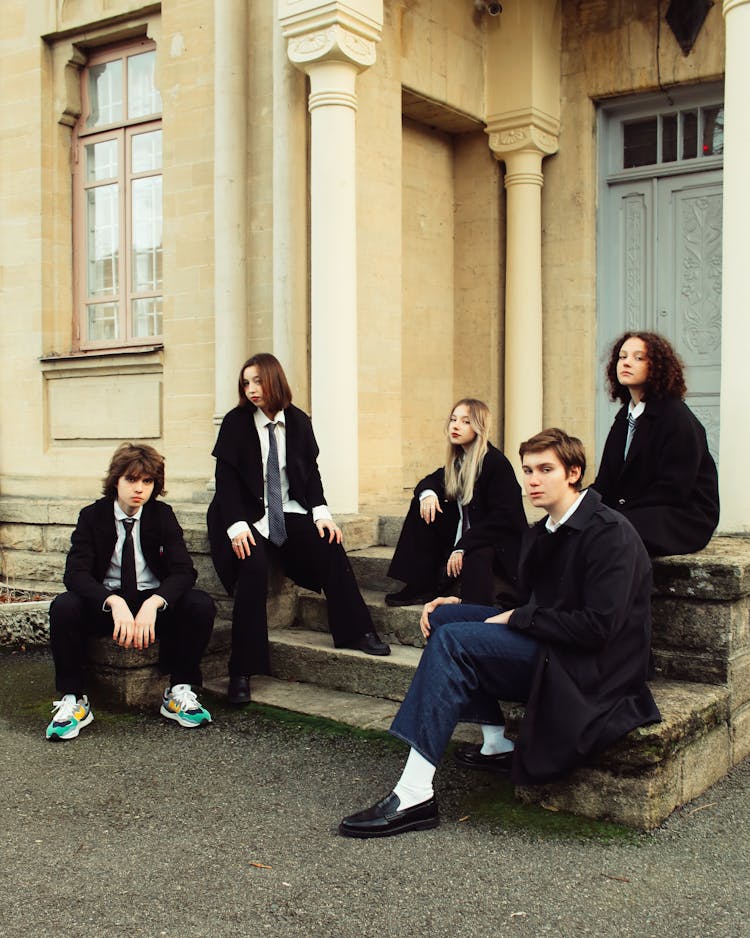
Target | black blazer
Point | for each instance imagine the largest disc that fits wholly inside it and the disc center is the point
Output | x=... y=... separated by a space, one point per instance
x=239 y=478
x=162 y=543
x=496 y=514
x=668 y=486
x=590 y=608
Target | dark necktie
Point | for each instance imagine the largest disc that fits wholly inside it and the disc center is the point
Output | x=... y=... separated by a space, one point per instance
x=465 y=521
x=631 y=434
x=128 y=578
x=276 y=526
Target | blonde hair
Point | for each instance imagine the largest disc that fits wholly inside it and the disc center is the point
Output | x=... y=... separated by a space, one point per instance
x=462 y=467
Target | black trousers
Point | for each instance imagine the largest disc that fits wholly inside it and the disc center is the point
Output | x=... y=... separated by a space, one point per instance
x=182 y=630
x=422 y=553
x=309 y=560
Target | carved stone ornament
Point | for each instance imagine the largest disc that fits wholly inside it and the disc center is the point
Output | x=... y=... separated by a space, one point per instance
x=335 y=42
x=527 y=137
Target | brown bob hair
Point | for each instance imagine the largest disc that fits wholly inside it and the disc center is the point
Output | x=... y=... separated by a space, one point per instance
x=276 y=391
x=665 y=376
x=568 y=449
x=138 y=460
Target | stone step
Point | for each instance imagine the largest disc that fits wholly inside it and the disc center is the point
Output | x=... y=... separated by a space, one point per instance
x=399 y=625
x=370 y=565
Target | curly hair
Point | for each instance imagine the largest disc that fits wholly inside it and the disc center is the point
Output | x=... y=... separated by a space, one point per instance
x=665 y=369
x=138 y=460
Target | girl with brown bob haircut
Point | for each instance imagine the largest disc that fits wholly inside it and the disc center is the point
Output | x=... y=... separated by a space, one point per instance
x=137 y=461
x=269 y=501
x=656 y=467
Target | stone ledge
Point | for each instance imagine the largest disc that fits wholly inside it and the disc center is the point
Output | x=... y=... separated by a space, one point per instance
x=721 y=571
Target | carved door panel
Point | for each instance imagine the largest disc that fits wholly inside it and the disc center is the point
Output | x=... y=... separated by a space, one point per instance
x=688 y=298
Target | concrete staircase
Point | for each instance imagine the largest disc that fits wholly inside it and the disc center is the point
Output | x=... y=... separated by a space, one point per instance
x=701 y=649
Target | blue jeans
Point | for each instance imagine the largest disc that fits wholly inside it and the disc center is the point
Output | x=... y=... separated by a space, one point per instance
x=466 y=666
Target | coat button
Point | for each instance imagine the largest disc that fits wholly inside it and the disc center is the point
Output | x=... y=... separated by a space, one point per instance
x=621 y=501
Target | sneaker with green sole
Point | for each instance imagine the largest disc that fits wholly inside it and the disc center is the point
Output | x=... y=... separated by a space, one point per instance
x=71 y=715
x=180 y=703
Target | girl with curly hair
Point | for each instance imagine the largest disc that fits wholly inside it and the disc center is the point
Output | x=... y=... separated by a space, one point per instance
x=656 y=468
x=465 y=520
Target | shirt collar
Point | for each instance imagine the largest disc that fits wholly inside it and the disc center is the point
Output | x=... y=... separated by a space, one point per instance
x=636 y=410
x=261 y=420
x=552 y=526
x=121 y=516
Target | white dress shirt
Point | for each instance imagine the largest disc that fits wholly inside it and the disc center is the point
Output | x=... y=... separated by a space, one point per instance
x=291 y=506
x=144 y=576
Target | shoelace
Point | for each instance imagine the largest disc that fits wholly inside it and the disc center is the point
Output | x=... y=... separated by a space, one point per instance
x=64 y=710
x=185 y=697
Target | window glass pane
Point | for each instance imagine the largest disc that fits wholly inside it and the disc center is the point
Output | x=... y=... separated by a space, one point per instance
x=102 y=240
x=689 y=135
x=101 y=160
x=143 y=98
x=147 y=231
x=147 y=317
x=146 y=152
x=669 y=138
x=713 y=131
x=105 y=94
x=639 y=143
x=102 y=322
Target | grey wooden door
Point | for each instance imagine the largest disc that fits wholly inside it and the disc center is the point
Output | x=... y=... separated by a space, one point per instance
x=659 y=242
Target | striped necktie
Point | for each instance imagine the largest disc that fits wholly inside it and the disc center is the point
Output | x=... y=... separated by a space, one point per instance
x=631 y=434
x=276 y=525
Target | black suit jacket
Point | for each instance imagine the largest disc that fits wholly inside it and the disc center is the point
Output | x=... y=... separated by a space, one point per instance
x=162 y=543
x=239 y=478
x=668 y=486
x=496 y=514
x=590 y=608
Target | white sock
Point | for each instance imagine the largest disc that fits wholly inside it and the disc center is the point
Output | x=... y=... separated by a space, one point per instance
x=495 y=740
x=415 y=784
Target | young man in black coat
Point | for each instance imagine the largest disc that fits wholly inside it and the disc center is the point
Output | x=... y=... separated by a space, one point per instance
x=129 y=574
x=576 y=652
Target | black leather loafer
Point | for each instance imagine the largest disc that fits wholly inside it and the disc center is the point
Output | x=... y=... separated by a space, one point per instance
x=410 y=596
x=372 y=644
x=384 y=819
x=239 y=690
x=472 y=758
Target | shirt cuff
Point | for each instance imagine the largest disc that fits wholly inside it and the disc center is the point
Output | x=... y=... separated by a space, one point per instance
x=239 y=527
x=427 y=493
x=321 y=513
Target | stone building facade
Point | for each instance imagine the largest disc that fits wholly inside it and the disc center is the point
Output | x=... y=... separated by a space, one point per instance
x=407 y=201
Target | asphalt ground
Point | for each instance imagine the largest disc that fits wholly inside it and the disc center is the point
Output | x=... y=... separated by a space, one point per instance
x=142 y=828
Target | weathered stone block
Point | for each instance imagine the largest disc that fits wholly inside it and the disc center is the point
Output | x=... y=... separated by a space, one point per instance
x=31 y=567
x=738 y=680
x=57 y=538
x=740 y=734
x=706 y=626
x=24 y=624
x=721 y=571
x=21 y=537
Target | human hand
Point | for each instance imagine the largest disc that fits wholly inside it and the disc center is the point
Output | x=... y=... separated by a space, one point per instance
x=241 y=543
x=329 y=525
x=502 y=617
x=424 y=622
x=455 y=563
x=122 y=617
x=144 y=632
x=428 y=506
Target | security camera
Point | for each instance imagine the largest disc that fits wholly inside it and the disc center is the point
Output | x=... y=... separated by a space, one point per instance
x=487 y=6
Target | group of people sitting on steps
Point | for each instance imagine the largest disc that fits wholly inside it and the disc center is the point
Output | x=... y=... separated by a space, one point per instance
x=556 y=615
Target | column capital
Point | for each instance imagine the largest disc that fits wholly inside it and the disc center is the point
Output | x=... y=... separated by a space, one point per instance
x=524 y=130
x=732 y=4
x=331 y=31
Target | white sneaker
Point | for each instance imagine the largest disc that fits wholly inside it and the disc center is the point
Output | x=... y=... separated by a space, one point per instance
x=180 y=703
x=70 y=717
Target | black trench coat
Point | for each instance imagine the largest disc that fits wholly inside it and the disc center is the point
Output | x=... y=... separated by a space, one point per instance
x=668 y=486
x=590 y=608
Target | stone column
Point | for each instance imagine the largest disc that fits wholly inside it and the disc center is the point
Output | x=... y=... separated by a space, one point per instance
x=522 y=147
x=332 y=44
x=734 y=447
x=230 y=200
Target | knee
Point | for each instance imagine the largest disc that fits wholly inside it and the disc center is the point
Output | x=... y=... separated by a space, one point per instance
x=65 y=609
x=443 y=615
x=197 y=606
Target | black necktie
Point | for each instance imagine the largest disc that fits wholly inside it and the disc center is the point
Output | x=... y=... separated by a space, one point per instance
x=128 y=578
x=276 y=525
